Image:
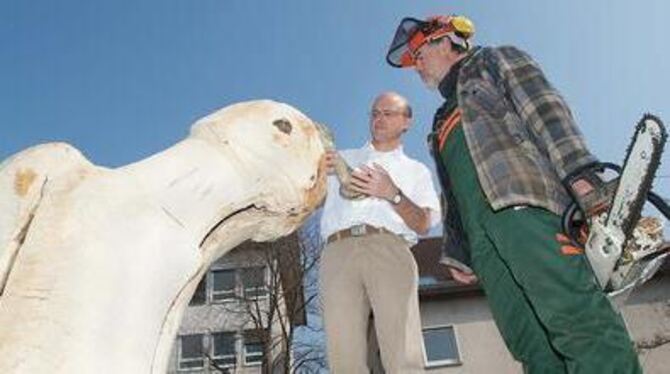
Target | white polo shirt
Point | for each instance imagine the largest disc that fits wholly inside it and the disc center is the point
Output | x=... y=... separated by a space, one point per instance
x=411 y=176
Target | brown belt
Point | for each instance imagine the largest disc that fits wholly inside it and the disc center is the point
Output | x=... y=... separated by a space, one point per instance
x=358 y=230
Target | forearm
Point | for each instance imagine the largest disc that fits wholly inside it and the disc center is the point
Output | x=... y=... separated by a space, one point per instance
x=417 y=218
x=377 y=182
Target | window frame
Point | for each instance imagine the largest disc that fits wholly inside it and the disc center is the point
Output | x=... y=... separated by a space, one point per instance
x=443 y=362
x=230 y=295
x=204 y=282
x=264 y=288
x=248 y=337
x=234 y=356
x=201 y=358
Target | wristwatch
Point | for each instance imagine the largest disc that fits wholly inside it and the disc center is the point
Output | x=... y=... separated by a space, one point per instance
x=395 y=200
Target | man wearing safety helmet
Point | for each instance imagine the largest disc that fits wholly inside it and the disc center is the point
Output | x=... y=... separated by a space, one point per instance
x=510 y=156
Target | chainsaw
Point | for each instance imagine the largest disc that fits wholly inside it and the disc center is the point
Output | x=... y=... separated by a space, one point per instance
x=624 y=250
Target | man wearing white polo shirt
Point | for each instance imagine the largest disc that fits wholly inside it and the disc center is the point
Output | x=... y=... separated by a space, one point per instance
x=367 y=265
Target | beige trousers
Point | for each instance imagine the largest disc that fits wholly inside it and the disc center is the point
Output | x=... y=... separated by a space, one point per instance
x=371 y=273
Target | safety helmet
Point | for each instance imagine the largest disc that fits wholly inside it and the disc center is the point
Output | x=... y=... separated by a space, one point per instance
x=412 y=33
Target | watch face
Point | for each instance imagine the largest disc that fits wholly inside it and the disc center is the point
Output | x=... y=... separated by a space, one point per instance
x=396 y=199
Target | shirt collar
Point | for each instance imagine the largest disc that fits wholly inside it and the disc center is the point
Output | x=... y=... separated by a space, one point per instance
x=398 y=151
x=447 y=86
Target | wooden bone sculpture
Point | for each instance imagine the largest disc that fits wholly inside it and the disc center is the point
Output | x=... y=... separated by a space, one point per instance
x=97 y=265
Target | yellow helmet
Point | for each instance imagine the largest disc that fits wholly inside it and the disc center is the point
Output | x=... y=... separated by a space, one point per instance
x=463 y=25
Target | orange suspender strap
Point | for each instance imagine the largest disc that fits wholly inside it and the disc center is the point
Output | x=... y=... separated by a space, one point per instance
x=447 y=126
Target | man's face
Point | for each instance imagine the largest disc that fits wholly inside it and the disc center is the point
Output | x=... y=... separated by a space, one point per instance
x=388 y=119
x=432 y=63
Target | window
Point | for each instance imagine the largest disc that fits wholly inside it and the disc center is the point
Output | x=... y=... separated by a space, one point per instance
x=190 y=352
x=253 y=282
x=200 y=295
x=427 y=280
x=223 y=285
x=231 y=284
x=253 y=348
x=441 y=346
x=223 y=349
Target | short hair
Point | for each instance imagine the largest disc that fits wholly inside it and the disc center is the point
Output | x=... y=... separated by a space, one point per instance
x=408 y=109
x=405 y=102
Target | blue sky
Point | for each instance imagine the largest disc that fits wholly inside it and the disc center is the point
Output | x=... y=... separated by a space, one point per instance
x=121 y=80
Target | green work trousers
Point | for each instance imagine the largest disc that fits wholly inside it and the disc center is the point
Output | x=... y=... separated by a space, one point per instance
x=547 y=306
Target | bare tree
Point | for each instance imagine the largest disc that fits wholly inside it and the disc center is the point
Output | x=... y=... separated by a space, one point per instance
x=660 y=338
x=657 y=341
x=275 y=303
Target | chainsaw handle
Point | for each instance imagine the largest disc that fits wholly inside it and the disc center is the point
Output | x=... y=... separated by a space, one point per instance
x=654 y=198
x=569 y=215
x=567 y=224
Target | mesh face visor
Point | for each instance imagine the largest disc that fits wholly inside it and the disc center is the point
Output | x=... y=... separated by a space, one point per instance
x=399 y=54
x=413 y=33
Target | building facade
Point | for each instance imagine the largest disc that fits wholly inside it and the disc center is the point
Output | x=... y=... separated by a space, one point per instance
x=461 y=337
x=238 y=317
x=228 y=326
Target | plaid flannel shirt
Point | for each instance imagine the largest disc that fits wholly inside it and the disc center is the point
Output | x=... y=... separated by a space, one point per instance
x=520 y=133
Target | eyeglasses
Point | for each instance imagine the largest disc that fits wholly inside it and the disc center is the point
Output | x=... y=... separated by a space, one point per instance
x=386 y=113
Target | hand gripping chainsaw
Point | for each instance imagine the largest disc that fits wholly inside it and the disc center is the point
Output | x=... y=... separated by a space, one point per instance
x=623 y=249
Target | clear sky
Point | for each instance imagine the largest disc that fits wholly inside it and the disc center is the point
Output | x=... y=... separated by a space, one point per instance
x=121 y=80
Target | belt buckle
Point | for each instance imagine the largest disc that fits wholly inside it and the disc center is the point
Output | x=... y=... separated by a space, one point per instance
x=359 y=230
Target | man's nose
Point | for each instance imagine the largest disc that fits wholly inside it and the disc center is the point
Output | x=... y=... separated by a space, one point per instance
x=376 y=118
x=418 y=65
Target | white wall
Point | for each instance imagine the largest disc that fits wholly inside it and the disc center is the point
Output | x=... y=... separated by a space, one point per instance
x=482 y=350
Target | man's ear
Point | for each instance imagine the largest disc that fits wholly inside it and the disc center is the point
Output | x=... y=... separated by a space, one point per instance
x=408 y=124
x=445 y=46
